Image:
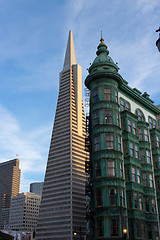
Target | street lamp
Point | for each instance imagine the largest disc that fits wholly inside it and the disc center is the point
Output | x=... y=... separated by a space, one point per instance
x=158 y=41
x=124 y=233
x=80 y=232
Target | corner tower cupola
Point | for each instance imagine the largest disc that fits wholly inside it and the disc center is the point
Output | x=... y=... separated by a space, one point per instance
x=103 y=61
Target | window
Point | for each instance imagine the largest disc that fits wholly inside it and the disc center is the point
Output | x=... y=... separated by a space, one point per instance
x=153 y=205
x=157 y=162
x=98 y=169
x=146 y=137
x=111 y=168
x=122 y=199
x=143 y=231
x=158 y=184
x=107 y=94
x=133 y=174
x=129 y=126
x=122 y=105
x=109 y=141
x=99 y=228
x=138 y=229
x=119 y=143
x=140 y=202
x=142 y=155
x=99 y=197
x=108 y=117
x=150 y=180
x=134 y=129
x=135 y=200
x=129 y=200
x=157 y=142
x=144 y=176
x=121 y=170
x=147 y=204
x=127 y=174
x=152 y=122
x=112 y=197
x=149 y=229
x=156 y=232
x=140 y=133
x=136 y=152
x=132 y=229
x=126 y=148
x=138 y=176
x=114 y=228
x=148 y=154
x=131 y=148
x=96 y=118
x=95 y=95
x=127 y=106
x=153 y=142
x=124 y=125
x=116 y=96
x=140 y=115
x=117 y=115
x=97 y=143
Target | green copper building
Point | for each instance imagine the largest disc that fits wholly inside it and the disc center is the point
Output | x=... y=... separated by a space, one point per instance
x=123 y=191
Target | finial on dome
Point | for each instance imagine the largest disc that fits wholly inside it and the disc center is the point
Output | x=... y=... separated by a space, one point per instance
x=102 y=40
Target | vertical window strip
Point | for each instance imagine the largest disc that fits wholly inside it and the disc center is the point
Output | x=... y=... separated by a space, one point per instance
x=111 y=168
x=107 y=94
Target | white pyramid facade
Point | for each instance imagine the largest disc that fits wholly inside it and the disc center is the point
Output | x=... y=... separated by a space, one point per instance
x=63 y=205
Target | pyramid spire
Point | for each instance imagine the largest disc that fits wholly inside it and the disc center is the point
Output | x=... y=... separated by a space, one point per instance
x=70 y=56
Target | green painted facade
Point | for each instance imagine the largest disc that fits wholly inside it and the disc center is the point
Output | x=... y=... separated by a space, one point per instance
x=123 y=189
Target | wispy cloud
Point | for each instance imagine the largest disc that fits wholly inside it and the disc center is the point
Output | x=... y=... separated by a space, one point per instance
x=31 y=148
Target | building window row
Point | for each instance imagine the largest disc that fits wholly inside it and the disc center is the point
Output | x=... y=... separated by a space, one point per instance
x=111 y=169
x=147 y=179
x=152 y=122
x=109 y=94
x=156 y=160
x=155 y=141
x=130 y=126
x=114 y=227
x=110 y=117
x=143 y=230
x=135 y=175
x=111 y=196
x=140 y=115
x=124 y=105
x=131 y=149
x=145 y=156
x=143 y=134
x=141 y=203
x=112 y=142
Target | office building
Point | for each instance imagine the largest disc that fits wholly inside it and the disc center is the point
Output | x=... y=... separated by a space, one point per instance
x=124 y=166
x=63 y=205
x=24 y=211
x=36 y=187
x=9 y=187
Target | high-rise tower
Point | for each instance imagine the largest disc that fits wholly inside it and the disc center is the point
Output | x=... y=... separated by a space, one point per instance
x=63 y=204
x=9 y=187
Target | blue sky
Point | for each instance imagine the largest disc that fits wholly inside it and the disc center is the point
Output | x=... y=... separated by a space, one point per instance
x=33 y=38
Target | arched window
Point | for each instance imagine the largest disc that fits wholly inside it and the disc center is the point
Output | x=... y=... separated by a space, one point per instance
x=140 y=115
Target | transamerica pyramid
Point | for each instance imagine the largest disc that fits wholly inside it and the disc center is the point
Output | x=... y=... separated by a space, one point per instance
x=63 y=204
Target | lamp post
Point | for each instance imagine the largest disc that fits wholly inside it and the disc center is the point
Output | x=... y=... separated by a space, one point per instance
x=158 y=41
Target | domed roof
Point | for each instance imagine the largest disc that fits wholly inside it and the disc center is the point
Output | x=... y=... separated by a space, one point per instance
x=103 y=61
